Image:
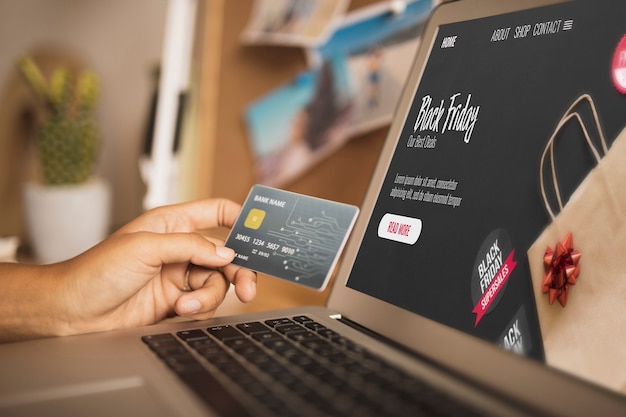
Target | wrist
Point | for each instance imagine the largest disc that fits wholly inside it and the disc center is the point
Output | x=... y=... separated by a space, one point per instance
x=32 y=302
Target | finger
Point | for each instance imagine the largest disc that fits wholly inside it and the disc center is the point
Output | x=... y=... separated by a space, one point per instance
x=186 y=217
x=244 y=281
x=196 y=276
x=159 y=249
x=201 y=304
x=205 y=214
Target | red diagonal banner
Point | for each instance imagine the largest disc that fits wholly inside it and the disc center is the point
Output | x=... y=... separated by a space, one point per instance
x=494 y=288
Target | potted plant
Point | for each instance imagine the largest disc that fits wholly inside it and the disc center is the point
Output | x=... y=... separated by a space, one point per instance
x=67 y=209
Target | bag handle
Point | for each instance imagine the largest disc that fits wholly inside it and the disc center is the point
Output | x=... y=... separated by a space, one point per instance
x=566 y=118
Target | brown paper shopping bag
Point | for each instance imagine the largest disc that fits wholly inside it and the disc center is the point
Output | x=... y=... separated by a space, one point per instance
x=587 y=336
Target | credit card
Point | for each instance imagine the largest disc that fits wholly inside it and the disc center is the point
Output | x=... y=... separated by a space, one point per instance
x=291 y=236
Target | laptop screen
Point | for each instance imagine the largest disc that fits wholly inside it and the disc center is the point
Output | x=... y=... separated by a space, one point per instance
x=501 y=213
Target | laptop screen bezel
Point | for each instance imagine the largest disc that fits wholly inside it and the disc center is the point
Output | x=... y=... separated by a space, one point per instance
x=533 y=382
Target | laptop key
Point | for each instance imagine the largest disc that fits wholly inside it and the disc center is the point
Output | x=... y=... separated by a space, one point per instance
x=253 y=328
x=302 y=336
x=291 y=327
x=266 y=337
x=302 y=319
x=161 y=337
x=277 y=345
x=327 y=333
x=278 y=322
x=237 y=343
x=189 y=335
x=315 y=326
x=166 y=346
x=225 y=333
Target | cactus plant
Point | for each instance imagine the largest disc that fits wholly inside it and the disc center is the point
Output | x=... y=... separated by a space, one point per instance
x=68 y=138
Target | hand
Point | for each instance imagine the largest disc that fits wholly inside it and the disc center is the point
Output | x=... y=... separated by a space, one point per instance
x=138 y=275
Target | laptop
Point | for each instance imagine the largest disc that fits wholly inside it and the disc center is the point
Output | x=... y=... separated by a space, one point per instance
x=449 y=317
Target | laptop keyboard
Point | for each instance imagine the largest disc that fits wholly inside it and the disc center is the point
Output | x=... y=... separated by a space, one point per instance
x=295 y=367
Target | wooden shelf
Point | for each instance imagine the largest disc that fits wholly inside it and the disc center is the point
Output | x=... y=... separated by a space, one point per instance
x=216 y=156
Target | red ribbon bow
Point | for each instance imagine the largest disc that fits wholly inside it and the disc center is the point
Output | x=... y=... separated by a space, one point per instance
x=561 y=270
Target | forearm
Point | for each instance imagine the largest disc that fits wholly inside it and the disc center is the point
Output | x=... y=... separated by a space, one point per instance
x=30 y=302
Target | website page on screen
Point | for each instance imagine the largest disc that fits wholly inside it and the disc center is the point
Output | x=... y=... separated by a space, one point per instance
x=462 y=232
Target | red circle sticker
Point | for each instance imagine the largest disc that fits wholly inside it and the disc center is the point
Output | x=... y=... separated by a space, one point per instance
x=618 y=69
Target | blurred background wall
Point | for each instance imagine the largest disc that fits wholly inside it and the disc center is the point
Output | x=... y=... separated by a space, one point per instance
x=119 y=39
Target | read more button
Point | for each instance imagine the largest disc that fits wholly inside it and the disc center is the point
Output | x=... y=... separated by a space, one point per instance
x=400 y=228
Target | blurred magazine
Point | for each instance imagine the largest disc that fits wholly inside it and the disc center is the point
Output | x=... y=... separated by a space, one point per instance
x=293 y=22
x=353 y=86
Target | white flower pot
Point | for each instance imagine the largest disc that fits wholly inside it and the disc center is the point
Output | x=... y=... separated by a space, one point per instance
x=65 y=220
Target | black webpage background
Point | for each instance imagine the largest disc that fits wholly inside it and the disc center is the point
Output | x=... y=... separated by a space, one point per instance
x=523 y=86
